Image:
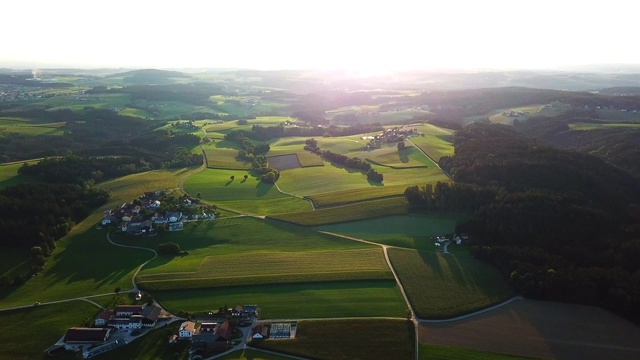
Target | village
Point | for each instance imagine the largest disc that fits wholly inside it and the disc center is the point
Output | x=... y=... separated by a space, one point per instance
x=154 y=211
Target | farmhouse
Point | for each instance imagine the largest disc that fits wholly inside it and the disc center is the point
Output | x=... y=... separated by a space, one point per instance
x=129 y=317
x=83 y=335
x=128 y=310
x=187 y=329
x=260 y=332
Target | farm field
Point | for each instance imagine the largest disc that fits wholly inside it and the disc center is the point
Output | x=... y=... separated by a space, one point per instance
x=16 y=126
x=412 y=231
x=447 y=285
x=443 y=352
x=349 y=339
x=541 y=329
x=9 y=175
x=251 y=196
x=219 y=253
x=39 y=327
x=594 y=126
x=222 y=155
x=436 y=142
x=283 y=301
x=349 y=212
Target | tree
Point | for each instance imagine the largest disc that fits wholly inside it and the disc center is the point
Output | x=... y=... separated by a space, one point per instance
x=232 y=177
x=199 y=195
x=246 y=176
x=117 y=290
x=401 y=145
x=169 y=248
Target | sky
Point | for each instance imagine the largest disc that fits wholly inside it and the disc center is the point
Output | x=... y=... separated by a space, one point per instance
x=365 y=36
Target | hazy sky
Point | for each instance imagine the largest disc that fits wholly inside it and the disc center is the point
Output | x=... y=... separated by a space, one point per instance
x=368 y=36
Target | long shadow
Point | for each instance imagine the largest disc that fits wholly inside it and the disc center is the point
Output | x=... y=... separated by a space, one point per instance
x=375 y=183
x=228 y=183
x=404 y=158
x=263 y=188
x=432 y=261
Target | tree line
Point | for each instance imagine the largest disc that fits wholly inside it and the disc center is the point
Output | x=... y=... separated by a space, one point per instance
x=560 y=225
x=353 y=163
x=256 y=154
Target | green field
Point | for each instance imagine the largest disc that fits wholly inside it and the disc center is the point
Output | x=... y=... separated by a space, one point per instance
x=409 y=231
x=447 y=285
x=350 y=212
x=436 y=142
x=9 y=125
x=251 y=196
x=287 y=301
x=595 y=126
x=220 y=254
x=223 y=155
x=444 y=352
x=9 y=175
x=250 y=354
x=349 y=339
x=26 y=333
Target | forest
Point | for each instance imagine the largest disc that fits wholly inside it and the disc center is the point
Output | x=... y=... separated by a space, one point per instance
x=560 y=225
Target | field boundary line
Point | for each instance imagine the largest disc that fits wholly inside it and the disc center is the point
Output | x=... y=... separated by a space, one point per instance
x=475 y=313
x=427 y=155
x=133 y=278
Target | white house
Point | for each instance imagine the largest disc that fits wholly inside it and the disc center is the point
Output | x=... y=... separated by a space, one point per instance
x=173 y=216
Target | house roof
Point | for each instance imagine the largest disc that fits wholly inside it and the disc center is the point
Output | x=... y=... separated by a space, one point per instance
x=250 y=308
x=188 y=326
x=151 y=312
x=225 y=330
x=207 y=326
x=105 y=315
x=135 y=309
x=82 y=334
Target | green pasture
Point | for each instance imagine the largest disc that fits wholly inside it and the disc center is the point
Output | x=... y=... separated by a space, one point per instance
x=447 y=285
x=436 y=142
x=9 y=175
x=529 y=111
x=295 y=145
x=446 y=352
x=245 y=251
x=135 y=112
x=250 y=196
x=223 y=155
x=14 y=261
x=27 y=333
x=31 y=129
x=596 y=126
x=296 y=301
x=412 y=231
x=350 y=212
x=348 y=339
x=389 y=156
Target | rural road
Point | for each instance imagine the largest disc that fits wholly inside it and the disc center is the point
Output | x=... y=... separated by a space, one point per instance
x=133 y=278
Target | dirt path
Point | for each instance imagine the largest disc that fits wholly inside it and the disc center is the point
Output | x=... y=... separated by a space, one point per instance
x=133 y=278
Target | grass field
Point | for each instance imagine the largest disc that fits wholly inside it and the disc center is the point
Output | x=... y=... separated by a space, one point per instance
x=223 y=155
x=350 y=212
x=9 y=175
x=410 y=231
x=444 y=352
x=540 y=329
x=18 y=126
x=286 y=301
x=220 y=254
x=446 y=285
x=349 y=339
x=594 y=126
x=251 y=196
x=25 y=334
x=14 y=261
x=436 y=142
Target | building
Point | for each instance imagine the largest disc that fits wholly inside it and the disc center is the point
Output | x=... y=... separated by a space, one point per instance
x=128 y=310
x=187 y=329
x=83 y=335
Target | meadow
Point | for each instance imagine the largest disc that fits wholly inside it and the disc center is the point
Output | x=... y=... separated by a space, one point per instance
x=447 y=285
x=346 y=213
x=16 y=125
x=594 y=126
x=249 y=196
x=369 y=298
x=219 y=254
x=412 y=231
x=348 y=339
x=436 y=142
x=39 y=327
x=9 y=175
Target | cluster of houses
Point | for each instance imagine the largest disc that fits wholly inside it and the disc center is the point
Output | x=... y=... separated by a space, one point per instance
x=123 y=317
x=134 y=219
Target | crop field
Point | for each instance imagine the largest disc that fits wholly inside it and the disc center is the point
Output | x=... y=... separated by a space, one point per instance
x=436 y=142
x=295 y=145
x=251 y=196
x=223 y=155
x=409 y=157
x=409 y=231
x=444 y=352
x=17 y=126
x=9 y=175
x=219 y=253
x=299 y=301
x=594 y=126
x=540 y=329
x=446 y=285
x=275 y=268
x=27 y=333
x=284 y=162
x=349 y=212
x=343 y=197
x=348 y=339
